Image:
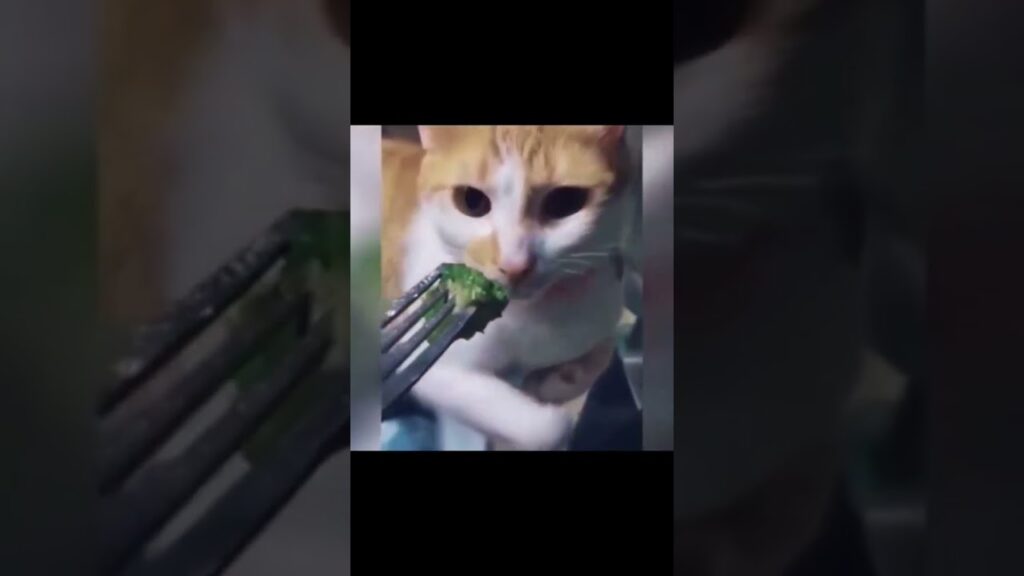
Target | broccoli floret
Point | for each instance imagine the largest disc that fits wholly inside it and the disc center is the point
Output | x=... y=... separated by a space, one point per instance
x=468 y=287
x=471 y=288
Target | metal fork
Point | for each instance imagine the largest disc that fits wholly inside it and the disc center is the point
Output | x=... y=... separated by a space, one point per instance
x=399 y=321
x=140 y=493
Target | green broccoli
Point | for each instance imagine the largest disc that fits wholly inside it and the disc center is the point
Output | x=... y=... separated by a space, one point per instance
x=468 y=287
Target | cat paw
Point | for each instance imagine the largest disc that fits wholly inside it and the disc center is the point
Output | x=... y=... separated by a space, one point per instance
x=550 y=429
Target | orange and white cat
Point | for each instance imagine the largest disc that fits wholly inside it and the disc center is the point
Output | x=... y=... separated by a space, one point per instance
x=543 y=210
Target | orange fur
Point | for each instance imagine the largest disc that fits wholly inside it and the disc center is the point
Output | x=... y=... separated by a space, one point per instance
x=565 y=382
x=563 y=155
x=483 y=252
x=585 y=156
x=400 y=164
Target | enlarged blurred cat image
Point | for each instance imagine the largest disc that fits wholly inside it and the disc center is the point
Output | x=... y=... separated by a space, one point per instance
x=214 y=119
x=769 y=354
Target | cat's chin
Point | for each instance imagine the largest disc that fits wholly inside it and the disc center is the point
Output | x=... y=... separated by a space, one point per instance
x=533 y=288
x=530 y=293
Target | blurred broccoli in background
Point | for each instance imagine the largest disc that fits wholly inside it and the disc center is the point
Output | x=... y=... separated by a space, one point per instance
x=318 y=263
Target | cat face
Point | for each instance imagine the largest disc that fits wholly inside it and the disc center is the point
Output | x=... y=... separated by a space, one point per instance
x=525 y=205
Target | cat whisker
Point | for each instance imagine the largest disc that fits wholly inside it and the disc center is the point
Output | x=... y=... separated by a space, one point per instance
x=588 y=256
x=577 y=261
x=601 y=248
x=585 y=256
x=574 y=262
x=593 y=253
x=604 y=248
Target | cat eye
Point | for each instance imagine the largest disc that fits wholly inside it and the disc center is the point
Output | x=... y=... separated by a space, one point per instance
x=563 y=202
x=472 y=201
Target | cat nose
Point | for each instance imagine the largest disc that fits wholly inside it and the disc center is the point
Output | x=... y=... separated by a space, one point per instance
x=516 y=271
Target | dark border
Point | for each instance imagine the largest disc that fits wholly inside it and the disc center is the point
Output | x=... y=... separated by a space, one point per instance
x=471 y=513
x=523 y=63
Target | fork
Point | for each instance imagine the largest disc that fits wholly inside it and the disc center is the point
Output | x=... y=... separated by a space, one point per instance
x=399 y=321
x=141 y=490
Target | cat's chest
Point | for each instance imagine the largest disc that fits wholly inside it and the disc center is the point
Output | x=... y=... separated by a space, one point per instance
x=525 y=340
x=560 y=331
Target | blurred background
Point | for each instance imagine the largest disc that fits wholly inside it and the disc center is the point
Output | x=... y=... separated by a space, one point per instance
x=800 y=241
x=214 y=119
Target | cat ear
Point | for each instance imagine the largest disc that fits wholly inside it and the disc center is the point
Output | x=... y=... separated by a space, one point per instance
x=612 y=134
x=436 y=136
x=608 y=136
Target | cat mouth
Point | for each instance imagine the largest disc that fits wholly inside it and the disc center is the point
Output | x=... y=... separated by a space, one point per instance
x=520 y=292
x=526 y=290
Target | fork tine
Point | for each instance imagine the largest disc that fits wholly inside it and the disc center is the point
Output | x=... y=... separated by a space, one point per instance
x=393 y=359
x=394 y=387
x=412 y=295
x=137 y=512
x=238 y=516
x=396 y=330
x=126 y=441
x=158 y=343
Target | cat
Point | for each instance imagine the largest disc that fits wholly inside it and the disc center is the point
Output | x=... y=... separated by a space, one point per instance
x=542 y=210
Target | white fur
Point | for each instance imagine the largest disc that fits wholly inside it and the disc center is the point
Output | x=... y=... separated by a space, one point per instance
x=473 y=387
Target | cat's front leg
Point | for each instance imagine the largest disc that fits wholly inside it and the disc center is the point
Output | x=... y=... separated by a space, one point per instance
x=570 y=380
x=487 y=403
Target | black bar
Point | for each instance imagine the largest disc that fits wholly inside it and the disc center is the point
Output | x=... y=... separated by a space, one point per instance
x=241 y=514
x=130 y=518
x=159 y=341
x=127 y=442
